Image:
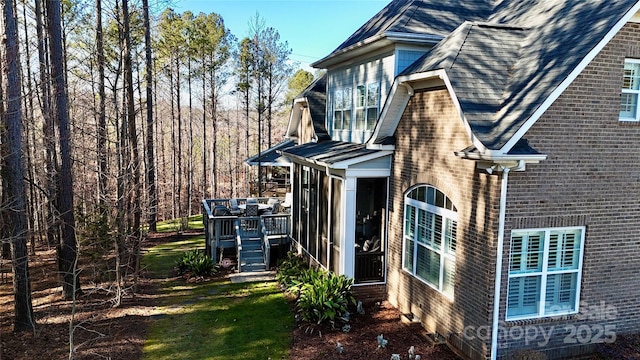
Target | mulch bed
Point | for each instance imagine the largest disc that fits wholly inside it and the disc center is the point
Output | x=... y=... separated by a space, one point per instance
x=103 y=331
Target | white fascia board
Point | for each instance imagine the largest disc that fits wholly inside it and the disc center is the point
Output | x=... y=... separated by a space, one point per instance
x=572 y=76
x=380 y=147
x=346 y=163
x=294 y=117
x=403 y=37
x=390 y=114
x=493 y=157
x=368 y=173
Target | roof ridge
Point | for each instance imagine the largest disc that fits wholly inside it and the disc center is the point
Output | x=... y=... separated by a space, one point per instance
x=488 y=24
x=407 y=7
x=466 y=36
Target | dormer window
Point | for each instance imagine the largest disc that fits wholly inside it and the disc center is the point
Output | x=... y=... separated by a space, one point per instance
x=630 y=91
x=367 y=101
x=342 y=109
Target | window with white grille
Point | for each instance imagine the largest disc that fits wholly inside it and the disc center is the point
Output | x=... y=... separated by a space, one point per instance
x=630 y=91
x=545 y=268
x=430 y=237
x=342 y=102
x=367 y=101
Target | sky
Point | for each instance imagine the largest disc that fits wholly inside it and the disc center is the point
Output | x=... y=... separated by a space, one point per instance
x=312 y=28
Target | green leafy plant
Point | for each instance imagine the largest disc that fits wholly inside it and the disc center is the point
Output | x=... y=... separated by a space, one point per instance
x=289 y=269
x=196 y=263
x=324 y=296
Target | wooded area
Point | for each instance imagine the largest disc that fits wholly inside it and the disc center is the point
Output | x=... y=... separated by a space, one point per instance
x=118 y=115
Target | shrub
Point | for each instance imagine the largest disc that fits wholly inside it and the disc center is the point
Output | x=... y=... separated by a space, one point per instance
x=324 y=296
x=289 y=269
x=195 y=262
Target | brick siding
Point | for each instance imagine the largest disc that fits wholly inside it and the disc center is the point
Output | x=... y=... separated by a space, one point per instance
x=591 y=178
x=427 y=136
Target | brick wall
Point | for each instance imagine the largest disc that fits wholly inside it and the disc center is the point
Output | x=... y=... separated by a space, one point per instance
x=427 y=136
x=591 y=178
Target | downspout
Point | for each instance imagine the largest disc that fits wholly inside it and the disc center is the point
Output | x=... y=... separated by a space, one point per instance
x=499 y=255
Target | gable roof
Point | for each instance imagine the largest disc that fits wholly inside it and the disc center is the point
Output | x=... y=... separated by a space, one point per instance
x=315 y=97
x=271 y=156
x=507 y=71
x=334 y=154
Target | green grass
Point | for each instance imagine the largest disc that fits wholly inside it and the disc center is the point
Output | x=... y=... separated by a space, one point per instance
x=214 y=320
x=192 y=222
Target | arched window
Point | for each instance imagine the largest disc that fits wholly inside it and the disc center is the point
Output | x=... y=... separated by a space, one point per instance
x=430 y=237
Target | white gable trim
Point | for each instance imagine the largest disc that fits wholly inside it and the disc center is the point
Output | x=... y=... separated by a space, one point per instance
x=401 y=91
x=294 y=118
x=572 y=76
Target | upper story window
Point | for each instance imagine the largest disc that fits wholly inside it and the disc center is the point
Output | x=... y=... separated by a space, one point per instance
x=430 y=238
x=630 y=91
x=404 y=58
x=342 y=109
x=545 y=268
x=367 y=101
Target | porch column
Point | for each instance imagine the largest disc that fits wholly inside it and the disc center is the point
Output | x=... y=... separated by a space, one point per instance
x=347 y=245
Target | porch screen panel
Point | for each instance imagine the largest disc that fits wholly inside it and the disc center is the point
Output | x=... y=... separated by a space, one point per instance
x=336 y=233
x=295 y=206
x=313 y=213
x=304 y=208
x=323 y=213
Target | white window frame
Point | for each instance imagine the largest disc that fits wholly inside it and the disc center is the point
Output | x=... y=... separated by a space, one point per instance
x=626 y=90
x=364 y=102
x=342 y=108
x=544 y=273
x=448 y=216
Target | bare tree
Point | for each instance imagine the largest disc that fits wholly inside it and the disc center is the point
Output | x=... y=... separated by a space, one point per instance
x=14 y=175
x=67 y=248
x=151 y=168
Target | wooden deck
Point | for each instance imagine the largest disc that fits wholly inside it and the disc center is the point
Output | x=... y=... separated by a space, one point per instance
x=252 y=238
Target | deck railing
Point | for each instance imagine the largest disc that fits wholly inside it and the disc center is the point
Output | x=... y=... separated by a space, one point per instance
x=369 y=266
x=226 y=232
x=266 y=246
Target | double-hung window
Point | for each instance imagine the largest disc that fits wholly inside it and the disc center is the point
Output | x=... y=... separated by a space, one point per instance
x=342 y=109
x=430 y=237
x=630 y=91
x=367 y=101
x=545 y=268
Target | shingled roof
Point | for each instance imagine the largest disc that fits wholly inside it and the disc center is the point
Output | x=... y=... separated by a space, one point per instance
x=316 y=96
x=502 y=70
x=423 y=17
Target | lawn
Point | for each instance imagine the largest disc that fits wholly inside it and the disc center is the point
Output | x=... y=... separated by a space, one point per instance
x=213 y=319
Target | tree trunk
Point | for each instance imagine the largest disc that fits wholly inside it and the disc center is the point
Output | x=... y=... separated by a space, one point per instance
x=151 y=166
x=51 y=161
x=205 y=186
x=214 y=132
x=190 y=162
x=23 y=319
x=134 y=189
x=179 y=154
x=67 y=250
x=102 y=118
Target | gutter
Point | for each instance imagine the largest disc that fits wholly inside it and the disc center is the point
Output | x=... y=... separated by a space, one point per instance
x=500 y=250
x=499 y=255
